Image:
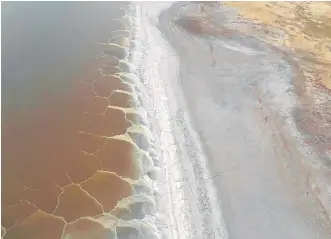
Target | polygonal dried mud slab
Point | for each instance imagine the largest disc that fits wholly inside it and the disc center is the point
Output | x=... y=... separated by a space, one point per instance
x=109 y=60
x=11 y=187
x=107 y=188
x=121 y=41
x=85 y=228
x=58 y=175
x=91 y=74
x=58 y=155
x=92 y=104
x=135 y=118
x=111 y=123
x=126 y=66
x=129 y=78
x=119 y=156
x=134 y=208
x=75 y=202
x=110 y=70
x=38 y=226
x=122 y=99
x=112 y=49
x=16 y=214
x=88 y=142
x=107 y=84
x=45 y=199
x=80 y=166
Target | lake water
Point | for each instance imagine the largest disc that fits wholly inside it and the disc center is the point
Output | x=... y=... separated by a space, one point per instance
x=61 y=160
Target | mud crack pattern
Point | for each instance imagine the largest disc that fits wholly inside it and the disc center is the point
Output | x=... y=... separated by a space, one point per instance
x=91 y=151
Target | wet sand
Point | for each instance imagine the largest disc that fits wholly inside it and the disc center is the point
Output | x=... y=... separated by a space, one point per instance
x=69 y=149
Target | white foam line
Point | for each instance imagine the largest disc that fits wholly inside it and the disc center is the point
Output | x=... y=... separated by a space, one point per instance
x=180 y=222
x=176 y=228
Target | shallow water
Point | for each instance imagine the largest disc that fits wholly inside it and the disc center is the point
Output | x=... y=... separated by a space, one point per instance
x=79 y=159
x=67 y=153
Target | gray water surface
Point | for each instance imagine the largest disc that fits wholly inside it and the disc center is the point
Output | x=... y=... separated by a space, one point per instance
x=46 y=44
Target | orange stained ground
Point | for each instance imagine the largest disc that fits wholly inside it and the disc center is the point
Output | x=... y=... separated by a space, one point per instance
x=303 y=31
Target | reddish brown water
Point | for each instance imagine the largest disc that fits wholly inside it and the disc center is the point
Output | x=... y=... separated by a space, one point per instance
x=58 y=162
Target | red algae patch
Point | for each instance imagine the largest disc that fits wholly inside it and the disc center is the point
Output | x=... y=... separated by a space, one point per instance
x=201 y=26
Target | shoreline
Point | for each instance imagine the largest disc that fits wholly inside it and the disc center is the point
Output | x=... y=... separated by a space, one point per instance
x=166 y=122
x=184 y=174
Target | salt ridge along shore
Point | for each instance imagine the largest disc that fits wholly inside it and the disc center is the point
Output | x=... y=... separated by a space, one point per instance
x=187 y=193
